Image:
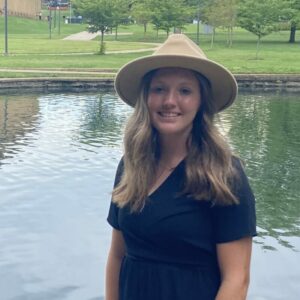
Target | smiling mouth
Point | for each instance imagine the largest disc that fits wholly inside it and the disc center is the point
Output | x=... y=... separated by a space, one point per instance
x=169 y=114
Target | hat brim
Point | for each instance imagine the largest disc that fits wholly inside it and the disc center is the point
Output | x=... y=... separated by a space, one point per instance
x=223 y=84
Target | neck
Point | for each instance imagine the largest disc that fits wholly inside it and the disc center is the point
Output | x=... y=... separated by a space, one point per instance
x=172 y=149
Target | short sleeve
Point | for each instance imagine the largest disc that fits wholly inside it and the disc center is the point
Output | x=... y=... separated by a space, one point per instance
x=113 y=213
x=233 y=222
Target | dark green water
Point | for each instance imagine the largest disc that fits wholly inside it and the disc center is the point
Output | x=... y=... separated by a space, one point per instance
x=58 y=154
x=265 y=131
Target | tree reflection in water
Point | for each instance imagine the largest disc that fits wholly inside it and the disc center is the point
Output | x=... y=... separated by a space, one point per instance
x=103 y=121
x=265 y=130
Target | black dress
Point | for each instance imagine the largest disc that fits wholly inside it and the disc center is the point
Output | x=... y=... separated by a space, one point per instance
x=171 y=243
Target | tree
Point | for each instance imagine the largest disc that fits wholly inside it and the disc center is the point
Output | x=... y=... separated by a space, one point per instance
x=222 y=13
x=99 y=16
x=197 y=8
x=259 y=17
x=213 y=18
x=142 y=13
x=229 y=17
x=120 y=13
x=169 y=14
x=294 y=19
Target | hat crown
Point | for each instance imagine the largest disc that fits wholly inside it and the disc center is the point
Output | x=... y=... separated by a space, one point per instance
x=179 y=44
x=178 y=51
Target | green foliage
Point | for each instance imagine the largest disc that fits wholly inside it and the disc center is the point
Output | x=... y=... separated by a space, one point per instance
x=120 y=13
x=169 y=14
x=294 y=6
x=97 y=13
x=198 y=8
x=142 y=13
x=222 y=13
x=259 y=17
x=291 y=15
x=99 y=16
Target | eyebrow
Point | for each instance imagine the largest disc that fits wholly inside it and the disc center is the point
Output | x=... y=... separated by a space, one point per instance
x=159 y=81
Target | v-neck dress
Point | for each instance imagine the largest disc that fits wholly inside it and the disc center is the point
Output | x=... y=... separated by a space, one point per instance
x=171 y=243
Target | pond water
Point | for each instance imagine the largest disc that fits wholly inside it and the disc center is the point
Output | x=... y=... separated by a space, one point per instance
x=58 y=155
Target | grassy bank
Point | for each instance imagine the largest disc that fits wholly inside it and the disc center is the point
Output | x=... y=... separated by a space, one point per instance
x=30 y=47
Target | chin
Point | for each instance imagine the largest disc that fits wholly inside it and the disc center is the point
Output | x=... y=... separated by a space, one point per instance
x=173 y=131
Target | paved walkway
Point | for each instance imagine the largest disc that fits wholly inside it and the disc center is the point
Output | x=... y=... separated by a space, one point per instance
x=87 y=36
x=82 y=36
x=91 y=53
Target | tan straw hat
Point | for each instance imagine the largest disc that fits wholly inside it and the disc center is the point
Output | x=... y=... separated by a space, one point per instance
x=177 y=51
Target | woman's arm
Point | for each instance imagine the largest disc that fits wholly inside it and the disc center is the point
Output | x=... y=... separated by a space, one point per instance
x=234 y=262
x=115 y=256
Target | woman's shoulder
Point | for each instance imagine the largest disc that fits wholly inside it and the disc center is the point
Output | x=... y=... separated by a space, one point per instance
x=119 y=172
x=121 y=164
x=241 y=186
x=237 y=162
x=239 y=170
x=238 y=167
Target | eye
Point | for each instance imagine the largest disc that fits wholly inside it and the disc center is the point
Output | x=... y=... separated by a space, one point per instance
x=156 y=89
x=185 y=91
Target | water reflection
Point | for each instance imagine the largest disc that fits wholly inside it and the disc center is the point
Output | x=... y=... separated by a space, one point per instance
x=58 y=155
x=18 y=118
x=264 y=130
x=103 y=121
x=266 y=133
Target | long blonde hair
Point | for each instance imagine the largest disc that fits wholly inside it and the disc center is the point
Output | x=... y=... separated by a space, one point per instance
x=208 y=164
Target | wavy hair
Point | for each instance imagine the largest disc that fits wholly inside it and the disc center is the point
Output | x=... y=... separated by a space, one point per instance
x=209 y=171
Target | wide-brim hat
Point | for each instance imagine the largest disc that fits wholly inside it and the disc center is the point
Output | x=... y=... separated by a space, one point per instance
x=181 y=52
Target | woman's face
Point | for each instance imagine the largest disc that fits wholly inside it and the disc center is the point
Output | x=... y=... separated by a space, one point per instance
x=173 y=100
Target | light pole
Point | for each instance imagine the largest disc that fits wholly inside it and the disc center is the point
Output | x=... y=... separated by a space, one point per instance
x=70 y=4
x=54 y=22
x=58 y=20
x=198 y=23
x=6 y=28
x=50 y=22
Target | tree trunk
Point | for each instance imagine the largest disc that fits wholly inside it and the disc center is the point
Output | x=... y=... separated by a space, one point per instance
x=230 y=36
x=212 y=38
x=102 y=46
x=257 y=47
x=293 y=33
x=198 y=24
x=116 y=33
x=145 y=28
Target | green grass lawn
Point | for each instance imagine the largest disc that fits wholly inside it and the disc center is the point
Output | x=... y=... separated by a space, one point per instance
x=26 y=27
x=33 y=45
x=30 y=47
x=52 y=75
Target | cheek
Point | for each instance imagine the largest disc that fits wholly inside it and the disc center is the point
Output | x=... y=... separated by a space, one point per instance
x=151 y=104
x=193 y=106
x=197 y=103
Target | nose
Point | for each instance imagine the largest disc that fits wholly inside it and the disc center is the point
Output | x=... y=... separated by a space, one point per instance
x=170 y=97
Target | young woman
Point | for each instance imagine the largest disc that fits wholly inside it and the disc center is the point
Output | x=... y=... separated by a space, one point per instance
x=182 y=211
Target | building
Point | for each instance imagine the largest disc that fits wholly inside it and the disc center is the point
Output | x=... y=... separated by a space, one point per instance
x=22 y=8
